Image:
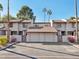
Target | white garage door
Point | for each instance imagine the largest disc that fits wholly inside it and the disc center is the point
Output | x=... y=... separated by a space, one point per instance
x=41 y=37
x=32 y=37
x=50 y=37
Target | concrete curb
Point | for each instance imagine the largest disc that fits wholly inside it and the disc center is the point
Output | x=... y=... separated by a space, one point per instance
x=8 y=46
x=74 y=45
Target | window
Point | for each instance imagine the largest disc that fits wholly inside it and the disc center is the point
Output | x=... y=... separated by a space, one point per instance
x=20 y=32
x=13 y=32
x=64 y=25
x=2 y=32
x=11 y=25
x=24 y=25
x=70 y=33
x=73 y=25
x=36 y=25
x=63 y=32
x=58 y=25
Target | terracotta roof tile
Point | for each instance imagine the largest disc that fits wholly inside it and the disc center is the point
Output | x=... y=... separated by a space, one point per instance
x=4 y=21
x=43 y=29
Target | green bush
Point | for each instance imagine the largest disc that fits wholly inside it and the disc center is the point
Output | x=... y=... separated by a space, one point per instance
x=3 y=40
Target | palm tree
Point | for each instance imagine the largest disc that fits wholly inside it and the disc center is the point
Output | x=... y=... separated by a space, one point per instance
x=44 y=11
x=1 y=9
x=49 y=13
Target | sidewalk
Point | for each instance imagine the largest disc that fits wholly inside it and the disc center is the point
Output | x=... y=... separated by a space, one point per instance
x=75 y=45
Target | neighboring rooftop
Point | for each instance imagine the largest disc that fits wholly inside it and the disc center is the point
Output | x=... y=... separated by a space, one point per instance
x=60 y=21
x=15 y=21
x=42 y=23
x=65 y=21
x=73 y=21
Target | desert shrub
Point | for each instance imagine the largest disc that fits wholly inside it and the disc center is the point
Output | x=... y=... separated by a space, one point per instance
x=71 y=39
x=3 y=40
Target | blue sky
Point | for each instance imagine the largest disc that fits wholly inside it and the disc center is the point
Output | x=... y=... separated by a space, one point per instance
x=62 y=9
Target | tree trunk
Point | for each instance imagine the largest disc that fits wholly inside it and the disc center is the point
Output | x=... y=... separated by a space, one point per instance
x=49 y=18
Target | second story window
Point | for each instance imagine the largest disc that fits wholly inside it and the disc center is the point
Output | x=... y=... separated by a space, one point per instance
x=13 y=32
x=58 y=25
x=70 y=33
x=20 y=32
x=63 y=33
x=73 y=25
x=24 y=25
x=36 y=26
x=10 y=24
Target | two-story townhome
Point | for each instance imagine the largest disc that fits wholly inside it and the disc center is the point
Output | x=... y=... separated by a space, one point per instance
x=17 y=28
x=65 y=28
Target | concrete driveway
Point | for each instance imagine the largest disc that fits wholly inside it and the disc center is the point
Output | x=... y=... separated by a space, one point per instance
x=40 y=51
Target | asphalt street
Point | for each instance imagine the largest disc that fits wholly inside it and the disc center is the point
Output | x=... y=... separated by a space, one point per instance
x=40 y=51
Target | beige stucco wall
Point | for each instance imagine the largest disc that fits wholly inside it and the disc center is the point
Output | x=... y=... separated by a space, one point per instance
x=64 y=38
x=15 y=27
x=64 y=27
x=18 y=37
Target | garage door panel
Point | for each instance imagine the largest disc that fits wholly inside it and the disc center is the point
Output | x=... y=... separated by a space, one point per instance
x=48 y=38
x=42 y=37
x=54 y=37
x=35 y=37
x=28 y=37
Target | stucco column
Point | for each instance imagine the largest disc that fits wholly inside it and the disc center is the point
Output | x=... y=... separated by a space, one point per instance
x=67 y=28
x=18 y=29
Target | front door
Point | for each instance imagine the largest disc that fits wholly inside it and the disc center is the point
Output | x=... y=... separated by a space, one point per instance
x=59 y=36
x=24 y=36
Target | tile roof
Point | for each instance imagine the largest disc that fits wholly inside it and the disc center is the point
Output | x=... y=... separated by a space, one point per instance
x=42 y=29
x=42 y=23
x=65 y=21
x=3 y=21
x=59 y=20
x=73 y=21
